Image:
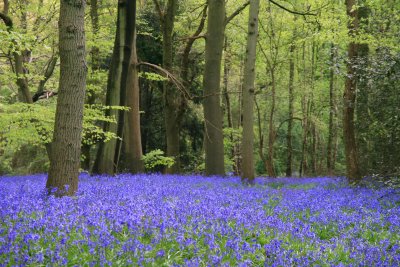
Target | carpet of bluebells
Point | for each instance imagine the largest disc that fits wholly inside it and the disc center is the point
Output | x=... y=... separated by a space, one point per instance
x=156 y=220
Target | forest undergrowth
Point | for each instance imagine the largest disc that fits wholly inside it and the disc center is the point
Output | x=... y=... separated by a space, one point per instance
x=158 y=220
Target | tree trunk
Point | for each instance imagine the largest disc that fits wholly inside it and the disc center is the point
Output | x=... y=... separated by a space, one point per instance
x=247 y=170
x=271 y=132
x=363 y=118
x=330 y=162
x=228 y=108
x=91 y=95
x=108 y=152
x=132 y=138
x=172 y=98
x=66 y=146
x=349 y=99
x=289 y=136
x=314 y=145
x=6 y=6
x=214 y=143
x=260 y=133
x=306 y=109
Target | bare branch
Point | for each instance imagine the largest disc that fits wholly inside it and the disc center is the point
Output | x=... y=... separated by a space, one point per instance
x=189 y=45
x=237 y=12
x=292 y=11
x=171 y=77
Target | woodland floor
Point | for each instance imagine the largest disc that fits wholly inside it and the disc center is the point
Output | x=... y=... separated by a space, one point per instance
x=156 y=220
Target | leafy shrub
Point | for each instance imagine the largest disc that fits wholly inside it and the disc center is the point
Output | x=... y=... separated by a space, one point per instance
x=156 y=158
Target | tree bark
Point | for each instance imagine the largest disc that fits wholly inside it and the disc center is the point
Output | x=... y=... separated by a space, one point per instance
x=289 y=136
x=330 y=162
x=363 y=119
x=133 y=141
x=271 y=132
x=95 y=57
x=172 y=98
x=247 y=166
x=108 y=153
x=214 y=144
x=227 y=106
x=349 y=98
x=6 y=6
x=66 y=147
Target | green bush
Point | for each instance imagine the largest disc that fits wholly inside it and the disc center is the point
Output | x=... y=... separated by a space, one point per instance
x=155 y=159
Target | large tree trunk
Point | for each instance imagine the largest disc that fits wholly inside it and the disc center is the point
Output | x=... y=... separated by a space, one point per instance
x=108 y=153
x=133 y=142
x=66 y=146
x=289 y=136
x=349 y=99
x=214 y=143
x=247 y=167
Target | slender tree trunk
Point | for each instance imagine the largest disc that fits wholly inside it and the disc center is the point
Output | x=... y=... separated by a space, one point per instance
x=247 y=170
x=289 y=136
x=363 y=118
x=332 y=115
x=6 y=6
x=172 y=98
x=306 y=109
x=314 y=145
x=227 y=69
x=66 y=146
x=133 y=142
x=228 y=108
x=214 y=143
x=260 y=132
x=349 y=99
x=313 y=128
x=271 y=132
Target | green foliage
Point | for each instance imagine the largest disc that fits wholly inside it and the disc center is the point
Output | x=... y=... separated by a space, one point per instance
x=26 y=130
x=156 y=158
x=151 y=76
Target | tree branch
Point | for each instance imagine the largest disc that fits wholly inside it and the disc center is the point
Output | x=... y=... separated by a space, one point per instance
x=237 y=12
x=292 y=11
x=170 y=76
x=51 y=64
x=158 y=8
x=189 y=45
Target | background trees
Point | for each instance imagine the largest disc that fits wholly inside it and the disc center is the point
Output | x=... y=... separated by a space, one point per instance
x=302 y=64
